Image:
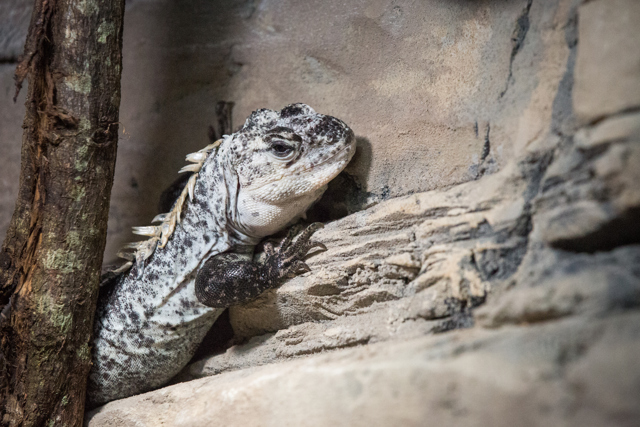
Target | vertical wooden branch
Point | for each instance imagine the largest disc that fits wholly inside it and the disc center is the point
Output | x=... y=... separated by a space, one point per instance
x=51 y=257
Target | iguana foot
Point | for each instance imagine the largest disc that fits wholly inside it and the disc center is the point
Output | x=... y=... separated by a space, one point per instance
x=231 y=279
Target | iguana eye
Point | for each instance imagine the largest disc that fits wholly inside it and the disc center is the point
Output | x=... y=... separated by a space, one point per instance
x=282 y=151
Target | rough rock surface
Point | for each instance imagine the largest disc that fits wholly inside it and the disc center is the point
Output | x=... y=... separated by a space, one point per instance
x=438 y=92
x=579 y=371
x=484 y=258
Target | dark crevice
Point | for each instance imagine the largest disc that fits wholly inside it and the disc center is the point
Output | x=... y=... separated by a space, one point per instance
x=620 y=231
x=533 y=169
x=486 y=164
x=224 y=114
x=497 y=265
x=219 y=338
x=500 y=263
x=517 y=40
x=486 y=149
x=462 y=320
x=461 y=316
x=343 y=197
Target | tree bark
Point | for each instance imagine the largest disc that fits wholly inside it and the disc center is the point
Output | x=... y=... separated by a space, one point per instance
x=51 y=257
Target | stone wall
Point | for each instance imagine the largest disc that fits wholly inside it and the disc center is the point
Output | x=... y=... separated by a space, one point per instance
x=438 y=92
x=484 y=258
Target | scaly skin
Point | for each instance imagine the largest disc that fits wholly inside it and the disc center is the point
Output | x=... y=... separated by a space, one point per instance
x=260 y=179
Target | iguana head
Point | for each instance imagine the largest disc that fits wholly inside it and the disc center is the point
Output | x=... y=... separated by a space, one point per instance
x=284 y=160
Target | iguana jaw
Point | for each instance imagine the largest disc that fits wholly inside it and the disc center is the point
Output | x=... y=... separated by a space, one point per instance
x=265 y=210
x=273 y=217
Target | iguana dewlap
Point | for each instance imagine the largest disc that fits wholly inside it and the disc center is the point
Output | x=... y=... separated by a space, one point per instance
x=198 y=261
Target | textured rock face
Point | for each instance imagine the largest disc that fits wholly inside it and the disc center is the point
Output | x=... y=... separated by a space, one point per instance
x=420 y=83
x=438 y=93
x=574 y=372
x=488 y=272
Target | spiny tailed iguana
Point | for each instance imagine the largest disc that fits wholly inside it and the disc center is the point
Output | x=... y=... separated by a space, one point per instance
x=198 y=261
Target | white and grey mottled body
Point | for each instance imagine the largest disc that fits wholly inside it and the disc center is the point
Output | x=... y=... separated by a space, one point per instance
x=259 y=180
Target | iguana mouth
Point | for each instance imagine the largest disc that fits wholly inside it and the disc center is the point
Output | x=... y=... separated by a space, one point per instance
x=328 y=159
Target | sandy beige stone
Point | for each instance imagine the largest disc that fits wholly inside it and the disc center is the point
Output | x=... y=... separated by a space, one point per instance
x=541 y=375
x=607 y=78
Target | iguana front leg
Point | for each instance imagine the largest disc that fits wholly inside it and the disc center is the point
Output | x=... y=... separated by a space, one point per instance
x=230 y=279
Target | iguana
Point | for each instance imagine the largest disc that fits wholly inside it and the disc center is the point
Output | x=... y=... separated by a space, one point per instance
x=198 y=260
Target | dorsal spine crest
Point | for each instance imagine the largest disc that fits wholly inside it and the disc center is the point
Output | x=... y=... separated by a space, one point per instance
x=160 y=234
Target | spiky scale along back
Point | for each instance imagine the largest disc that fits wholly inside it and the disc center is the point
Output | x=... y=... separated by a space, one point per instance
x=161 y=233
x=245 y=187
